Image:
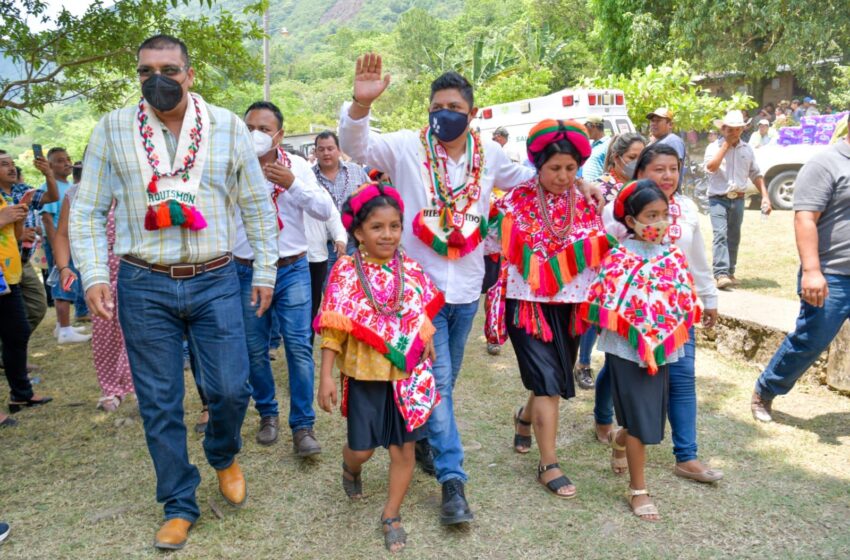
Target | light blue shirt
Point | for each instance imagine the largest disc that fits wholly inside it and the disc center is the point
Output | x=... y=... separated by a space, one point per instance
x=55 y=207
x=594 y=167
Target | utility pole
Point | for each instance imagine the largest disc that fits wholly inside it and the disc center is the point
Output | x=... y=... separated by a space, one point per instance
x=266 y=57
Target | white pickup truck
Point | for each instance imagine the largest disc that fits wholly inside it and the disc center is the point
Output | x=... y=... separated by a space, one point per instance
x=780 y=165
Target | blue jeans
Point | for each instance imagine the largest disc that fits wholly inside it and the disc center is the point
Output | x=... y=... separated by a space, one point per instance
x=585 y=346
x=815 y=329
x=681 y=408
x=453 y=324
x=726 y=219
x=155 y=313
x=291 y=306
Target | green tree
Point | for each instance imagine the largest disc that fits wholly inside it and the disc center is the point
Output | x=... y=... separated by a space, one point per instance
x=92 y=56
x=671 y=86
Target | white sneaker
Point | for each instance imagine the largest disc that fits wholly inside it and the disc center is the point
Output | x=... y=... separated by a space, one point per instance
x=81 y=330
x=72 y=337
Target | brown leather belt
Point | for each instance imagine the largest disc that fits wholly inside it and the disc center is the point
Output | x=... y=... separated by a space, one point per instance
x=285 y=261
x=181 y=271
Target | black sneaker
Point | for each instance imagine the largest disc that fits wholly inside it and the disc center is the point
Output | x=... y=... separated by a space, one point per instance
x=584 y=377
x=425 y=457
x=454 y=509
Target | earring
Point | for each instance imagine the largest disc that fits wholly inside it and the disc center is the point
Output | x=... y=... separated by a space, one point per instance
x=362 y=249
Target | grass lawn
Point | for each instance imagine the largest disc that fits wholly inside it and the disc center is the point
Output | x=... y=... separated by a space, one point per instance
x=78 y=483
x=767 y=257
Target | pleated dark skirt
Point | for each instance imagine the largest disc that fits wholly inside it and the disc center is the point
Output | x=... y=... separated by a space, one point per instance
x=546 y=368
x=373 y=417
x=640 y=399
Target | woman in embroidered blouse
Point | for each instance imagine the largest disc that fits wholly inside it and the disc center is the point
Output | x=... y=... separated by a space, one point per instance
x=620 y=162
x=551 y=240
x=660 y=163
x=375 y=323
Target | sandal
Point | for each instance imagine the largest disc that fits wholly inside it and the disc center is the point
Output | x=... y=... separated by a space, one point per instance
x=353 y=486
x=556 y=483
x=621 y=463
x=17 y=406
x=109 y=404
x=522 y=444
x=644 y=510
x=393 y=535
x=201 y=427
x=706 y=477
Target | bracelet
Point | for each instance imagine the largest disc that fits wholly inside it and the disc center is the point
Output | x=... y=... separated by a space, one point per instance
x=61 y=268
x=362 y=106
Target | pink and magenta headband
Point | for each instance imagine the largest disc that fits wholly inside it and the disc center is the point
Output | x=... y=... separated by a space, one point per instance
x=365 y=193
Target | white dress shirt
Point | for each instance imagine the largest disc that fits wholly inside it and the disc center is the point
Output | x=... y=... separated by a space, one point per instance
x=303 y=196
x=691 y=243
x=398 y=154
x=319 y=232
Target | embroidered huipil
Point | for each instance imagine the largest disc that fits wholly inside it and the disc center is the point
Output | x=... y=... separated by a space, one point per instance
x=231 y=179
x=303 y=196
x=644 y=300
x=398 y=154
x=541 y=266
x=372 y=346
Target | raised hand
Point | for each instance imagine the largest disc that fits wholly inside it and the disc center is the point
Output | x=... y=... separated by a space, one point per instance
x=368 y=83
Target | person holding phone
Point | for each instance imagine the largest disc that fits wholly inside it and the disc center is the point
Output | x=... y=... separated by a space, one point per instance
x=15 y=192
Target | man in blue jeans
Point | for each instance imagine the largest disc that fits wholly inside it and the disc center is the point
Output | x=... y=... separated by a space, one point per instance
x=822 y=229
x=455 y=153
x=292 y=187
x=177 y=179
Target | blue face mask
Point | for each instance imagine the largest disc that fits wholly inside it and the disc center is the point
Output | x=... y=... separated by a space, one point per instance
x=447 y=125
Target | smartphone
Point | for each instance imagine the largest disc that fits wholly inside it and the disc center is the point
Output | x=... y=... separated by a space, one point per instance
x=37 y=151
x=68 y=283
x=27 y=198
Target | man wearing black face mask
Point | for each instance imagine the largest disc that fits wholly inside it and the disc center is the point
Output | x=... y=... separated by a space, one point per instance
x=176 y=169
x=445 y=174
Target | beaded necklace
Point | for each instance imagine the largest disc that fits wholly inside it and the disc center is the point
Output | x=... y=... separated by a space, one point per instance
x=564 y=232
x=394 y=304
x=443 y=196
x=146 y=133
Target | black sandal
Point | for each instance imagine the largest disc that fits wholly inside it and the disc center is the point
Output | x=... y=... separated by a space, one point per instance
x=394 y=535
x=17 y=406
x=353 y=486
x=556 y=483
x=522 y=444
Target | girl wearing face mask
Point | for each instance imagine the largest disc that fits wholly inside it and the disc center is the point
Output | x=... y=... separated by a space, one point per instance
x=645 y=301
x=620 y=163
x=660 y=163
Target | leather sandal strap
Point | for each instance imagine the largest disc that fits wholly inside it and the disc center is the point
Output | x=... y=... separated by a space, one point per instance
x=557 y=483
x=390 y=520
x=543 y=468
x=347 y=470
x=519 y=420
x=641 y=492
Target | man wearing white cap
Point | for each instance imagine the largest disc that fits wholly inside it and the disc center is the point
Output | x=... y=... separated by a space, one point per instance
x=763 y=136
x=661 y=129
x=729 y=164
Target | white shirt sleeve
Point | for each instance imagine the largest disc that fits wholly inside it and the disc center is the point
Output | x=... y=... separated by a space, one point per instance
x=366 y=147
x=334 y=227
x=697 y=257
x=506 y=173
x=306 y=192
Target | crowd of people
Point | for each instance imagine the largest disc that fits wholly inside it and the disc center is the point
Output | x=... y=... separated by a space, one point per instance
x=199 y=241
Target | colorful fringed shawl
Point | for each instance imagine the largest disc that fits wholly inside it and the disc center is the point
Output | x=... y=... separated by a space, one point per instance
x=650 y=302
x=400 y=337
x=172 y=186
x=548 y=262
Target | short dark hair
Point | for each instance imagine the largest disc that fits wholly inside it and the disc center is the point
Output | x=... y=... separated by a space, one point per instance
x=651 y=152
x=324 y=135
x=453 y=80
x=55 y=150
x=646 y=192
x=268 y=106
x=562 y=146
x=161 y=42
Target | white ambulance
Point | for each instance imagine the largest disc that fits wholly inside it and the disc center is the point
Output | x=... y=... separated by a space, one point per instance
x=519 y=116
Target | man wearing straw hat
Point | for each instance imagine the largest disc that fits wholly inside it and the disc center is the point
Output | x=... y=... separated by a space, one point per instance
x=729 y=164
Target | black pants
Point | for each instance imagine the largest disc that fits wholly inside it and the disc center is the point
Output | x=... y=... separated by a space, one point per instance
x=318 y=271
x=15 y=334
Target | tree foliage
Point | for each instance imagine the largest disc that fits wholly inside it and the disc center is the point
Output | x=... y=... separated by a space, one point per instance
x=92 y=56
x=672 y=86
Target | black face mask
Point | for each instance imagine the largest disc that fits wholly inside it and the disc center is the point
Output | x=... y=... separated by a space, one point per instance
x=162 y=93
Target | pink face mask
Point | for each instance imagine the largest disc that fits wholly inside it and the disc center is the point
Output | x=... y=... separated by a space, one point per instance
x=652 y=233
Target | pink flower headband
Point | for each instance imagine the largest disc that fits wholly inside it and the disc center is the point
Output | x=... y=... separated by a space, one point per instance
x=365 y=193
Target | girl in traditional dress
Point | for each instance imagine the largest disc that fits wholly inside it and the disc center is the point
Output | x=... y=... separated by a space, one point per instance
x=645 y=301
x=375 y=322
x=551 y=242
